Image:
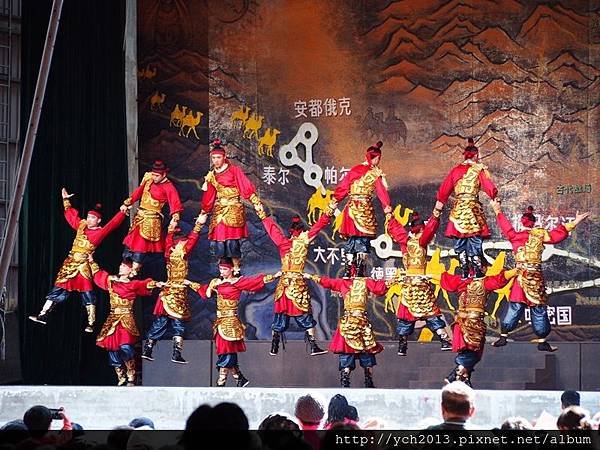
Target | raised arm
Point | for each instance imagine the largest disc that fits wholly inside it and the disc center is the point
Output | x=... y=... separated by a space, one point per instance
x=377 y=287
x=100 y=276
x=275 y=232
x=112 y=225
x=323 y=221
x=450 y=282
x=144 y=287
x=334 y=284
x=397 y=232
x=71 y=214
x=430 y=229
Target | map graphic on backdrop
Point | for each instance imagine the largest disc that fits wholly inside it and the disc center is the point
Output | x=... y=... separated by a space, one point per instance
x=299 y=89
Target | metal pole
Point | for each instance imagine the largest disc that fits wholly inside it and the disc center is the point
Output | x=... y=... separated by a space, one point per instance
x=34 y=119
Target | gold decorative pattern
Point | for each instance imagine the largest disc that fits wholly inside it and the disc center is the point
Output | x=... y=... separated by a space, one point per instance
x=77 y=260
x=467 y=213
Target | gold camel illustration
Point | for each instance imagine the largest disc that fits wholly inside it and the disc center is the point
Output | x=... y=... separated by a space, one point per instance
x=317 y=203
x=156 y=101
x=177 y=114
x=191 y=121
x=241 y=115
x=267 y=141
x=253 y=124
x=435 y=268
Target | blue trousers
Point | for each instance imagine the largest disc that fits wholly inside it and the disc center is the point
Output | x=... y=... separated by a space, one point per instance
x=467 y=358
x=161 y=323
x=539 y=318
x=227 y=360
x=137 y=257
x=226 y=249
x=472 y=245
x=59 y=295
x=281 y=322
x=118 y=357
x=406 y=327
x=348 y=360
x=358 y=244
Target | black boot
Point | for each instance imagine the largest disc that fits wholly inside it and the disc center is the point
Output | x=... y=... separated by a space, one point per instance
x=501 y=341
x=275 y=343
x=177 y=348
x=345 y=378
x=451 y=376
x=402 y=345
x=464 y=264
x=369 y=378
x=147 y=350
x=446 y=344
x=361 y=265
x=242 y=381
x=546 y=347
x=312 y=342
x=477 y=264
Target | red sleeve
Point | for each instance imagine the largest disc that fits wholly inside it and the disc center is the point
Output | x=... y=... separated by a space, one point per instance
x=101 y=279
x=191 y=241
x=377 y=287
x=398 y=233
x=208 y=198
x=450 y=282
x=175 y=205
x=251 y=284
x=274 y=232
x=141 y=287
x=72 y=217
x=446 y=188
x=169 y=243
x=487 y=184
x=335 y=284
x=342 y=189
x=317 y=227
x=137 y=194
x=243 y=183
x=494 y=282
x=429 y=231
x=382 y=193
x=112 y=225
x=558 y=234
x=202 y=291
x=506 y=227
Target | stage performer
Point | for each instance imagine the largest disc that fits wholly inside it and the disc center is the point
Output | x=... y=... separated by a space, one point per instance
x=529 y=289
x=359 y=224
x=292 y=298
x=75 y=274
x=417 y=300
x=354 y=338
x=145 y=234
x=224 y=187
x=468 y=329
x=467 y=222
x=172 y=306
x=120 y=333
x=228 y=329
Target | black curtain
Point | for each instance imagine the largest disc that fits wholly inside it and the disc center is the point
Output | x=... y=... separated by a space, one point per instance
x=81 y=145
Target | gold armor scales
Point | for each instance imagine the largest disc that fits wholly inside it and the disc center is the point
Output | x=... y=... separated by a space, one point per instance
x=292 y=283
x=471 y=311
x=228 y=207
x=354 y=324
x=148 y=218
x=174 y=294
x=467 y=212
x=360 y=207
x=529 y=267
x=228 y=324
x=77 y=259
x=121 y=311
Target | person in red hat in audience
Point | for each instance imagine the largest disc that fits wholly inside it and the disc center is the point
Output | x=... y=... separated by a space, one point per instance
x=172 y=306
x=354 y=337
x=417 y=299
x=145 y=234
x=529 y=289
x=119 y=332
x=75 y=274
x=359 y=224
x=224 y=188
x=467 y=224
x=228 y=329
x=292 y=298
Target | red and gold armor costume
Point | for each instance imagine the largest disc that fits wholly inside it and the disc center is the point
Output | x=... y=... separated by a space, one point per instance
x=358 y=216
x=75 y=273
x=466 y=217
x=468 y=330
x=291 y=295
x=172 y=300
x=223 y=193
x=417 y=299
x=119 y=327
x=528 y=245
x=354 y=333
x=228 y=329
x=145 y=234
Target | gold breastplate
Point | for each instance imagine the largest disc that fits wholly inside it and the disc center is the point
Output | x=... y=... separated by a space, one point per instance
x=177 y=265
x=148 y=202
x=468 y=186
x=118 y=304
x=531 y=252
x=81 y=243
x=415 y=258
x=295 y=259
x=365 y=185
x=473 y=299
x=226 y=307
x=356 y=298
